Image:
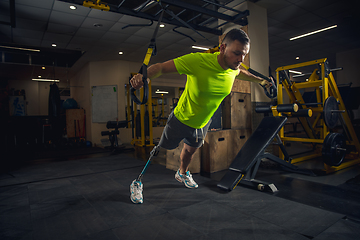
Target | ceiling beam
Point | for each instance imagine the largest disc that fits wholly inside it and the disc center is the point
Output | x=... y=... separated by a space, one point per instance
x=240 y=18
x=12 y=22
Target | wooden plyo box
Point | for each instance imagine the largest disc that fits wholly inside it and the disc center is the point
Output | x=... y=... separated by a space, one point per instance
x=221 y=147
x=215 y=151
x=75 y=123
x=238 y=138
x=173 y=159
x=241 y=86
x=236 y=111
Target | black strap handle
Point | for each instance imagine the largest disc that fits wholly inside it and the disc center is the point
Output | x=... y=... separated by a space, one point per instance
x=143 y=71
x=272 y=92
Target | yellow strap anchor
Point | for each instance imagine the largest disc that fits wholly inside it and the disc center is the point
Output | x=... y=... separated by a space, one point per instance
x=96 y=5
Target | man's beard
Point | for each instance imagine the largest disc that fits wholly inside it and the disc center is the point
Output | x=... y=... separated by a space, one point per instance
x=234 y=66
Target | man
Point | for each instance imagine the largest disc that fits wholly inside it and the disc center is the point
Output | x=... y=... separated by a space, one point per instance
x=210 y=77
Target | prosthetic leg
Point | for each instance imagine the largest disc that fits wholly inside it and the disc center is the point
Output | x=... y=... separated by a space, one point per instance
x=153 y=153
x=136 y=187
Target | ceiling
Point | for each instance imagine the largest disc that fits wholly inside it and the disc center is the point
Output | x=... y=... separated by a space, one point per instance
x=93 y=35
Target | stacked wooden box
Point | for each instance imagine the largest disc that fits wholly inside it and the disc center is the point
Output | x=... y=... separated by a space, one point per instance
x=221 y=147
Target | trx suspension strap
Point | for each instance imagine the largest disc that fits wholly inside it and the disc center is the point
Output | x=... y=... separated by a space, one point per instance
x=272 y=93
x=151 y=51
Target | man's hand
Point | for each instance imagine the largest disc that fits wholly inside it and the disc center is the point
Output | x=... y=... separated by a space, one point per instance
x=137 y=82
x=265 y=83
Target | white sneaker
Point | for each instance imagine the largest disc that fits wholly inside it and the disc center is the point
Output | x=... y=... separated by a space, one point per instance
x=136 y=189
x=186 y=179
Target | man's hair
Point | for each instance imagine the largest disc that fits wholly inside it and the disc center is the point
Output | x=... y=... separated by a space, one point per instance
x=236 y=34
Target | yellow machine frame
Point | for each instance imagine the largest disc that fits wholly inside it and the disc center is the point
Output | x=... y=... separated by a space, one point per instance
x=142 y=141
x=96 y=5
x=329 y=88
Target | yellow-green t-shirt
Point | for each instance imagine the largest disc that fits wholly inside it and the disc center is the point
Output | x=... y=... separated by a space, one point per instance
x=207 y=85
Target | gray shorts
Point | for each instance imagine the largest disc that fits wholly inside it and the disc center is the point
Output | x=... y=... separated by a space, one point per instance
x=175 y=131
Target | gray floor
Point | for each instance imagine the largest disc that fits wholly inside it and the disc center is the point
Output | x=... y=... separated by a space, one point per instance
x=88 y=198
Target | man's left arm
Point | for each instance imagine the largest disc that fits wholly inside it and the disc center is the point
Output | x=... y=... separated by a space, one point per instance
x=247 y=76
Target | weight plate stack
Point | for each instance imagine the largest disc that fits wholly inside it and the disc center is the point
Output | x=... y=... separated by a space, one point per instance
x=330 y=115
x=334 y=149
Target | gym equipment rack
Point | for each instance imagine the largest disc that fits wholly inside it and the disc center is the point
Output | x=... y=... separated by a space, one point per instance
x=328 y=109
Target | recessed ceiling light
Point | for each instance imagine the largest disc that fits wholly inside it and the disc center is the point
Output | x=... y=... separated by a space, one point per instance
x=43 y=67
x=162 y=25
x=72 y=7
x=53 y=45
x=121 y=53
x=39 y=76
x=297 y=58
x=311 y=33
x=201 y=48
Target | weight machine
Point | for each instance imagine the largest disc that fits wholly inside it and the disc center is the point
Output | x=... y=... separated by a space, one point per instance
x=338 y=150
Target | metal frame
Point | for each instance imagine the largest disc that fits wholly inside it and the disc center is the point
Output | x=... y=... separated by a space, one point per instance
x=318 y=130
x=12 y=14
x=240 y=17
x=249 y=177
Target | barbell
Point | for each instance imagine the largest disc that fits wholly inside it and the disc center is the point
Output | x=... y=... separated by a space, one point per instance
x=293 y=107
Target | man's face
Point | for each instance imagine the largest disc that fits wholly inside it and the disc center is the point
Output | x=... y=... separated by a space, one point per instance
x=234 y=54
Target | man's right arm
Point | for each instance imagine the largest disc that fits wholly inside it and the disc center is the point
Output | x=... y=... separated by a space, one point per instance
x=159 y=69
x=154 y=71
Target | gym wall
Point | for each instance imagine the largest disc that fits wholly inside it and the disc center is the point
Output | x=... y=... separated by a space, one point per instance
x=104 y=73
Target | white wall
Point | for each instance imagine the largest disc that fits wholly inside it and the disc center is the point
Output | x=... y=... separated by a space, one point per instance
x=117 y=73
x=259 y=52
x=259 y=44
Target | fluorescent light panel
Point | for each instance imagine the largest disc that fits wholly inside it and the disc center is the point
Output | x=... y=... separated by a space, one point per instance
x=19 y=48
x=297 y=72
x=202 y=48
x=161 y=92
x=314 y=32
x=45 y=80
